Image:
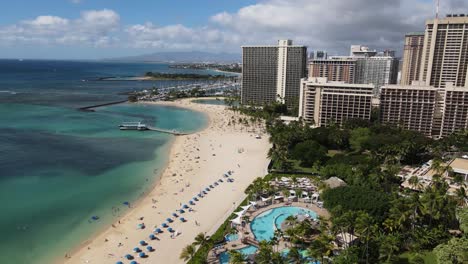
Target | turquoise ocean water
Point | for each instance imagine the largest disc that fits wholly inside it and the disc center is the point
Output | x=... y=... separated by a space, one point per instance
x=59 y=166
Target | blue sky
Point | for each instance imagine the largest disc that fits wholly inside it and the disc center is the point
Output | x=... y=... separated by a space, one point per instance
x=189 y=12
x=93 y=29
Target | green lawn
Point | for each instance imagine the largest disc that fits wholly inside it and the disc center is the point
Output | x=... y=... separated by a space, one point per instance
x=333 y=152
x=296 y=166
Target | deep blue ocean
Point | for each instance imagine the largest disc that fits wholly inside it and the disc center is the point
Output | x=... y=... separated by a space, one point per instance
x=60 y=166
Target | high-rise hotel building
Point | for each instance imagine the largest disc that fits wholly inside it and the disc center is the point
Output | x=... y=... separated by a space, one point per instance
x=323 y=102
x=435 y=112
x=363 y=66
x=377 y=70
x=437 y=104
x=445 y=52
x=412 y=54
x=409 y=107
x=337 y=69
x=273 y=73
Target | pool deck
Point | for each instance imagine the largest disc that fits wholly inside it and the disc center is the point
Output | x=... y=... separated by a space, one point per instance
x=246 y=234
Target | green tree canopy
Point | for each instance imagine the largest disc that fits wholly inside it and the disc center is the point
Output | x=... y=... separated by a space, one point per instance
x=358 y=137
x=309 y=152
x=357 y=198
x=455 y=251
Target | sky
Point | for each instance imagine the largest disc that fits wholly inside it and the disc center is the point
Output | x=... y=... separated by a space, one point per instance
x=95 y=29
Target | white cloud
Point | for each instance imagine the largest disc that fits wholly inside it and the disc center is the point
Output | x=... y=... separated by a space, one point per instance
x=176 y=37
x=332 y=25
x=93 y=28
x=51 y=21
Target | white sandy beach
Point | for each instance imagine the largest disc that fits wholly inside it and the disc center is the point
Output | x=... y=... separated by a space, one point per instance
x=195 y=162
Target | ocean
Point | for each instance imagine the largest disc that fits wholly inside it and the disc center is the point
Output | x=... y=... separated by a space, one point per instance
x=59 y=167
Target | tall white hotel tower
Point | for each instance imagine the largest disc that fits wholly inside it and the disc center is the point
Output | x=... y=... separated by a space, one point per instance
x=273 y=73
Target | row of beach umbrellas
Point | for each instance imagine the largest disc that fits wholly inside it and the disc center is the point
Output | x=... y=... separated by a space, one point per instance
x=152 y=236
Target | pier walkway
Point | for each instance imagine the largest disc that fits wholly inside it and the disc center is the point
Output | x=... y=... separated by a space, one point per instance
x=90 y=108
x=167 y=131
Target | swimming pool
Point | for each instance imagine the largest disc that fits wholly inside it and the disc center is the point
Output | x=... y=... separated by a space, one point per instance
x=232 y=237
x=264 y=225
x=224 y=257
x=305 y=257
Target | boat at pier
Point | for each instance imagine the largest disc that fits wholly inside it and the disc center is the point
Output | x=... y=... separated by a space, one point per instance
x=133 y=126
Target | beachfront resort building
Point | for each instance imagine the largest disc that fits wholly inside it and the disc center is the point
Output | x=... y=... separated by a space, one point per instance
x=435 y=112
x=412 y=54
x=323 y=102
x=445 y=52
x=273 y=73
x=336 y=69
x=363 y=66
x=377 y=70
x=437 y=104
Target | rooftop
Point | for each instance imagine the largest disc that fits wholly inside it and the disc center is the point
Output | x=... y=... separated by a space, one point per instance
x=414 y=34
x=460 y=164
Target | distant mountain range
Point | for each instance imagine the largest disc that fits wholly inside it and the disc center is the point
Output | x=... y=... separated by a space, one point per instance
x=182 y=57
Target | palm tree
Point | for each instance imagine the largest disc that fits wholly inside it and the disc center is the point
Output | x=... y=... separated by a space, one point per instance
x=321 y=247
x=235 y=257
x=389 y=247
x=432 y=202
x=415 y=183
x=460 y=197
x=294 y=256
x=366 y=228
x=264 y=254
x=201 y=239
x=187 y=252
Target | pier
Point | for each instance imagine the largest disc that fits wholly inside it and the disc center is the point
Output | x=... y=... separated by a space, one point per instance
x=142 y=127
x=90 y=108
x=167 y=131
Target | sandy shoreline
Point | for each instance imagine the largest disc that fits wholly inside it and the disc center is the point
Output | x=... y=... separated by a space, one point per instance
x=195 y=162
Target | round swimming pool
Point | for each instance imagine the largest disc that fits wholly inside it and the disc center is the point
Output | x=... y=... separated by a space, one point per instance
x=264 y=225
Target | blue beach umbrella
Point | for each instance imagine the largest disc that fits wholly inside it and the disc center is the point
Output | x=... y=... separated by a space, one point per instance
x=216 y=183
x=181 y=211
x=175 y=215
x=182 y=219
x=133 y=262
x=119 y=262
x=128 y=256
x=152 y=237
x=169 y=220
x=137 y=249
x=211 y=186
x=195 y=199
x=220 y=180
x=143 y=243
x=142 y=254
x=207 y=189
x=192 y=202
x=158 y=230
x=185 y=206
x=170 y=229
x=204 y=192
x=149 y=248
x=164 y=225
